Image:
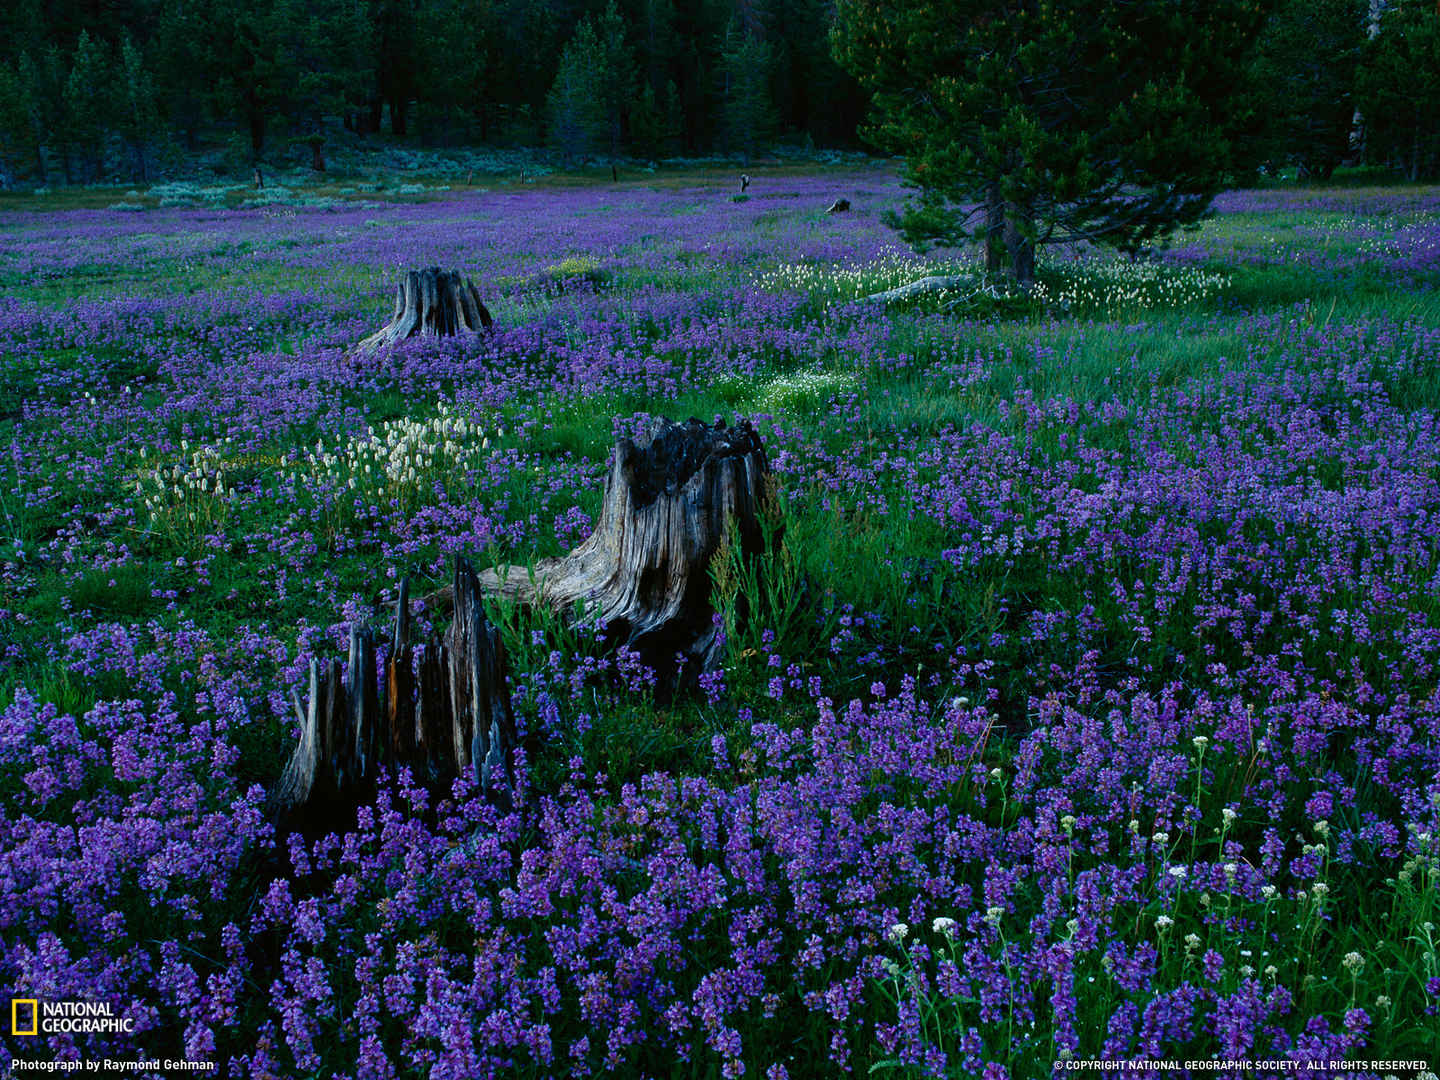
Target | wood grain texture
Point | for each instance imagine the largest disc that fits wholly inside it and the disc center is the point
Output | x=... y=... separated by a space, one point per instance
x=430 y=303
x=644 y=571
x=450 y=718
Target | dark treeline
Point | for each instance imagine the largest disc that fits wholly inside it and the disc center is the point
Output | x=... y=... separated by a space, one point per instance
x=107 y=89
x=85 y=83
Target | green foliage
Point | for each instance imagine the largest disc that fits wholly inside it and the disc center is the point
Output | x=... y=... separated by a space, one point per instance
x=87 y=100
x=15 y=130
x=747 y=116
x=179 y=54
x=656 y=122
x=595 y=82
x=452 y=94
x=139 y=115
x=1304 y=79
x=761 y=597
x=1089 y=120
x=576 y=119
x=1398 y=90
x=278 y=75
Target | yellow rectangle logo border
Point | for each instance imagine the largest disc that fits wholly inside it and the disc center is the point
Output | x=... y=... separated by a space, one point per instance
x=15 y=1004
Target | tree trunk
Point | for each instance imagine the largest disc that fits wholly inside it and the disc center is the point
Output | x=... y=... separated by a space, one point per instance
x=935 y=283
x=430 y=303
x=996 y=265
x=1019 y=229
x=483 y=730
x=643 y=573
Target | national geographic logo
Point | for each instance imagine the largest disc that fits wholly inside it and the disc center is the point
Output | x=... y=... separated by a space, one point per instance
x=18 y=1008
x=31 y=1016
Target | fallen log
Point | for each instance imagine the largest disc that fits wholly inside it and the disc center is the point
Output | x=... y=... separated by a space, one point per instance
x=430 y=303
x=933 y=284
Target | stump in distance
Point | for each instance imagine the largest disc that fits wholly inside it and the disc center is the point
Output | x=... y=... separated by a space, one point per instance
x=430 y=303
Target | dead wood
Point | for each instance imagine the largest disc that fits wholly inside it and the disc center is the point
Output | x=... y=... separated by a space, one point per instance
x=430 y=303
x=936 y=283
x=450 y=718
x=644 y=571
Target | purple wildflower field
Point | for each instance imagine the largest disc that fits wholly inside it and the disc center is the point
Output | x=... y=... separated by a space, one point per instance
x=1088 y=710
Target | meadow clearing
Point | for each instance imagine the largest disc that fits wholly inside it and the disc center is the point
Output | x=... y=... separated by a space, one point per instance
x=1087 y=710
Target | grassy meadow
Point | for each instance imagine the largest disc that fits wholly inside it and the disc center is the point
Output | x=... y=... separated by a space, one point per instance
x=1088 y=708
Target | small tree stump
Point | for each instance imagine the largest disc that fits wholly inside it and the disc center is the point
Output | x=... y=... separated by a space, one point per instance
x=644 y=572
x=839 y=206
x=430 y=303
x=455 y=718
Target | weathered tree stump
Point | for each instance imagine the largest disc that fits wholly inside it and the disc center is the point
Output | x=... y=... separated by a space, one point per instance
x=450 y=718
x=644 y=571
x=839 y=206
x=430 y=303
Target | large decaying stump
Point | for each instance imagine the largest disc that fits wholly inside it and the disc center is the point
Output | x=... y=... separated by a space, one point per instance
x=644 y=572
x=430 y=303
x=450 y=717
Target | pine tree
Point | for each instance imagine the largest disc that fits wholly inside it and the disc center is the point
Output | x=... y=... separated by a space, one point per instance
x=186 y=66
x=15 y=130
x=657 y=122
x=1398 y=90
x=592 y=88
x=615 y=78
x=748 y=115
x=139 y=117
x=88 y=112
x=42 y=95
x=1050 y=120
x=397 y=61
x=577 y=118
x=1304 y=79
x=457 y=92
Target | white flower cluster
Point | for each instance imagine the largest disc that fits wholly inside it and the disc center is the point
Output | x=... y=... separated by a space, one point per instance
x=852 y=279
x=1123 y=285
x=403 y=459
x=806 y=390
x=191 y=496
